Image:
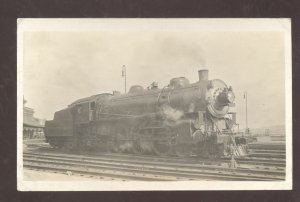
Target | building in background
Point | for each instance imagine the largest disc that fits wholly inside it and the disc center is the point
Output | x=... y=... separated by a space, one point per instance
x=32 y=127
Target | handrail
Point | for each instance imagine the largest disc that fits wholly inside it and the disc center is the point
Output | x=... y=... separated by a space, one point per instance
x=162 y=90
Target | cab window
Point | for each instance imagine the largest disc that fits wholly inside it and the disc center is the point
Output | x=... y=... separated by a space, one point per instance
x=92 y=105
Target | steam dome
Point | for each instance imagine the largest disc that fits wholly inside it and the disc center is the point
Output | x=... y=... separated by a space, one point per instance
x=179 y=82
x=136 y=89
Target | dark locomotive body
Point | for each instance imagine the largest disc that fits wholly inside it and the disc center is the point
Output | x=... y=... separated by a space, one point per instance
x=181 y=119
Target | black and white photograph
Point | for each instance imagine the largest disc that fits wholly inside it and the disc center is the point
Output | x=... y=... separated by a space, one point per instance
x=154 y=104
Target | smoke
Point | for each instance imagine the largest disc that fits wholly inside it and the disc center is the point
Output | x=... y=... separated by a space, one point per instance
x=171 y=114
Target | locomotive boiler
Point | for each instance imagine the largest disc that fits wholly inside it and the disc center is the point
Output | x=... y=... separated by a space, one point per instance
x=182 y=119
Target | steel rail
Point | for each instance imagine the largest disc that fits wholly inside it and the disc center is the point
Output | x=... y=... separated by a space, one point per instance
x=260 y=159
x=176 y=161
x=252 y=169
x=188 y=172
x=267 y=151
x=159 y=174
x=192 y=159
x=267 y=155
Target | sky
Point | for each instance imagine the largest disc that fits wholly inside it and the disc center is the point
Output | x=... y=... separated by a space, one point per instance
x=61 y=67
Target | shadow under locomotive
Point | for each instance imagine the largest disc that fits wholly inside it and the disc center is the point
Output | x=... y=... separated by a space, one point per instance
x=180 y=118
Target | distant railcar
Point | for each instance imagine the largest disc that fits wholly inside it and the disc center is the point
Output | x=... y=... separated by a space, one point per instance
x=181 y=119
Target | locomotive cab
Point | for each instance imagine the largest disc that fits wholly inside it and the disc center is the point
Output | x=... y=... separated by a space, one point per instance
x=88 y=109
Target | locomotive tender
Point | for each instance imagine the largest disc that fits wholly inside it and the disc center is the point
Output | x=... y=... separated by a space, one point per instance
x=182 y=118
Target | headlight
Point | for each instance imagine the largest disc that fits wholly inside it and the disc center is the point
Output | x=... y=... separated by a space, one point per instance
x=230 y=96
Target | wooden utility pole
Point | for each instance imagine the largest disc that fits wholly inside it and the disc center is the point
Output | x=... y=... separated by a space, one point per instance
x=246 y=97
x=124 y=75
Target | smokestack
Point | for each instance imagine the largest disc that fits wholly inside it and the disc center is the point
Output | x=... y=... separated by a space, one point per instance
x=203 y=75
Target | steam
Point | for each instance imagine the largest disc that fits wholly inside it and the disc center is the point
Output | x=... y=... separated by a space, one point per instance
x=126 y=147
x=171 y=114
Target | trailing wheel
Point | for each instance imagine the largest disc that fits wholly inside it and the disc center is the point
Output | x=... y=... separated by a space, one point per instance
x=183 y=150
x=136 y=147
x=140 y=136
x=162 y=148
x=162 y=143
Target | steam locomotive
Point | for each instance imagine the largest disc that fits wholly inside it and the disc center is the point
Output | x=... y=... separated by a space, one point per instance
x=180 y=119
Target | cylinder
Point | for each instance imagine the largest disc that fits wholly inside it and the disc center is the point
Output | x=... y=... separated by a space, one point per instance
x=203 y=75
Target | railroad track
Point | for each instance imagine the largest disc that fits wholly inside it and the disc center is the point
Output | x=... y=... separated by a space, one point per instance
x=253 y=159
x=267 y=146
x=267 y=155
x=274 y=151
x=127 y=169
x=267 y=150
x=40 y=147
x=257 y=161
x=243 y=161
